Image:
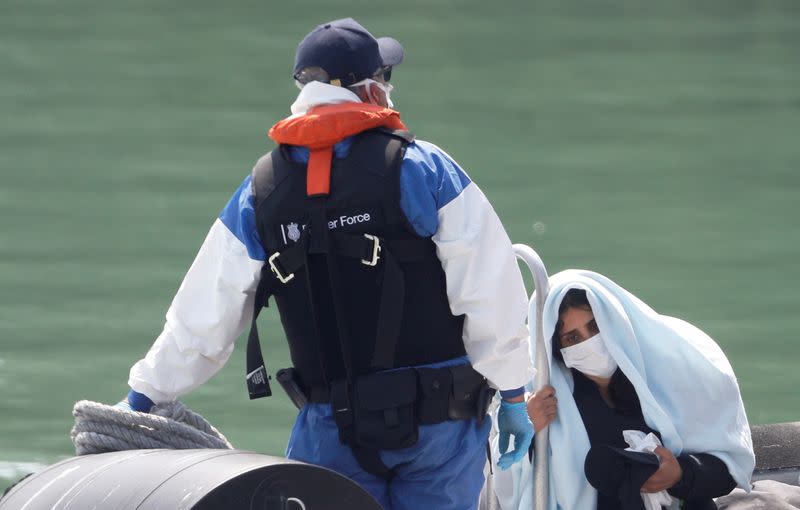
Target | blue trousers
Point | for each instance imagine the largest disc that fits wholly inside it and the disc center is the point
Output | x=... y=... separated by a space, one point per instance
x=443 y=471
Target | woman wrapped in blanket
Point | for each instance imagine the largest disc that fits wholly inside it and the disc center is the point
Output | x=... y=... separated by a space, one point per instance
x=626 y=380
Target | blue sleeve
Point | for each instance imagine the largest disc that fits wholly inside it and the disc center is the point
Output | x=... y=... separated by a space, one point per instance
x=429 y=180
x=516 y=392
x=239 y=215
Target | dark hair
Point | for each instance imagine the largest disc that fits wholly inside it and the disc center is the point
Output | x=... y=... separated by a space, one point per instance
x=574 y=298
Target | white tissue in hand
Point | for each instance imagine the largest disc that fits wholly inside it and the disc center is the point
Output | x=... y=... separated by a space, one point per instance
x=639 y=442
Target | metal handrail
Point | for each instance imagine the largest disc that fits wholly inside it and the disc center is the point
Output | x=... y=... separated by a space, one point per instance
x=542 y=287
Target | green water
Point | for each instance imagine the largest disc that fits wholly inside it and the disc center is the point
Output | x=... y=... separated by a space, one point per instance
x=658 y=144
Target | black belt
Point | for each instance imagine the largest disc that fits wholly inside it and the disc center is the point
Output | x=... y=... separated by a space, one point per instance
x=446 y=393
x=384 y=410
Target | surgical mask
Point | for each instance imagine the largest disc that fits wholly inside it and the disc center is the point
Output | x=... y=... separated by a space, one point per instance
x=590 y=357
x=387 y=89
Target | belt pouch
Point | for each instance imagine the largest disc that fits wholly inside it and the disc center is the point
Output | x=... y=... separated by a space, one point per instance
x=485 y=396
x=467 y=383
x=435 y=386
x=385 y=410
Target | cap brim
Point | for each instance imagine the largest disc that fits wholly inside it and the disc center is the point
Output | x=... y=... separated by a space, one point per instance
x=391 y=51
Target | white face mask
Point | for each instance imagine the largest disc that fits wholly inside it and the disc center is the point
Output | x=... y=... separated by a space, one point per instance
x=387 y=89
x=590 y=357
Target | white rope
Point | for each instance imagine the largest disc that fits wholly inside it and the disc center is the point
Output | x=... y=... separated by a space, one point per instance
x=102 y=428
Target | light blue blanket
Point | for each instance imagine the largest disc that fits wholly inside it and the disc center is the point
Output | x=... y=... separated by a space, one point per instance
x=686 y=386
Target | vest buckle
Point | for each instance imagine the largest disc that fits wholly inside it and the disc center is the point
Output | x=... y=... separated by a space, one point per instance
x=273 y=265
x=376 y=249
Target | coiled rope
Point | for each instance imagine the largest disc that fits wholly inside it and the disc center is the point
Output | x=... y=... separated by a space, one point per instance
x=102 y=428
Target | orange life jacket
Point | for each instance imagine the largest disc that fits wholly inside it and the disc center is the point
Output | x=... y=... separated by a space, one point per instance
x=323 y=127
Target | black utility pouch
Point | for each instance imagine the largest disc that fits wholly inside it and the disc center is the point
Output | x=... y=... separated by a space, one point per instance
x=467 y=383
x=485 y=396
x=435 y=386
x=386 y=417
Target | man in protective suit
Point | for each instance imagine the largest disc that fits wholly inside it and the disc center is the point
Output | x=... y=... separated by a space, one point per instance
x=396 y=284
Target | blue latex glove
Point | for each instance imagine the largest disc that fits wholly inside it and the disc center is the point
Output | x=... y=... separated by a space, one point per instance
x=512 y=419
x=135 y=402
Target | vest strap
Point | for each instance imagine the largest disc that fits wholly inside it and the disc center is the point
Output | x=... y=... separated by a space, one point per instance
x=370 y=460
x=390 y=314
x=288 y=261
x=318 y=180
x=256 y=372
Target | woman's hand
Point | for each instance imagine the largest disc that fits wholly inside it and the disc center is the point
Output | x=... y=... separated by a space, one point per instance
x=542 y=407
x=669 y=472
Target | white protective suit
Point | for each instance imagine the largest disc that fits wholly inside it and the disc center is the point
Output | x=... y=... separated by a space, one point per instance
x=215 y=301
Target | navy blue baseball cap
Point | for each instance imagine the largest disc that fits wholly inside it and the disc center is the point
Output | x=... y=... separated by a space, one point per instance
x=347 y=52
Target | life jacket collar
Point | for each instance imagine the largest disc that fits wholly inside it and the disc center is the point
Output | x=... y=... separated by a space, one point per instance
x=326 y=125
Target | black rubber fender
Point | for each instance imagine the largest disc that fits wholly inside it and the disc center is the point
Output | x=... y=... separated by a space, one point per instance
x=186 y=479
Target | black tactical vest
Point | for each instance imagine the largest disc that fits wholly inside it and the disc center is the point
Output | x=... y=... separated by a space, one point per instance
x=331 y=320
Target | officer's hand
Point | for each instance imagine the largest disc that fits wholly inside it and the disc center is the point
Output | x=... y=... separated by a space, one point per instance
x=135 y=402
x=512 y=419
x=542 y=407
x=669 y=472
